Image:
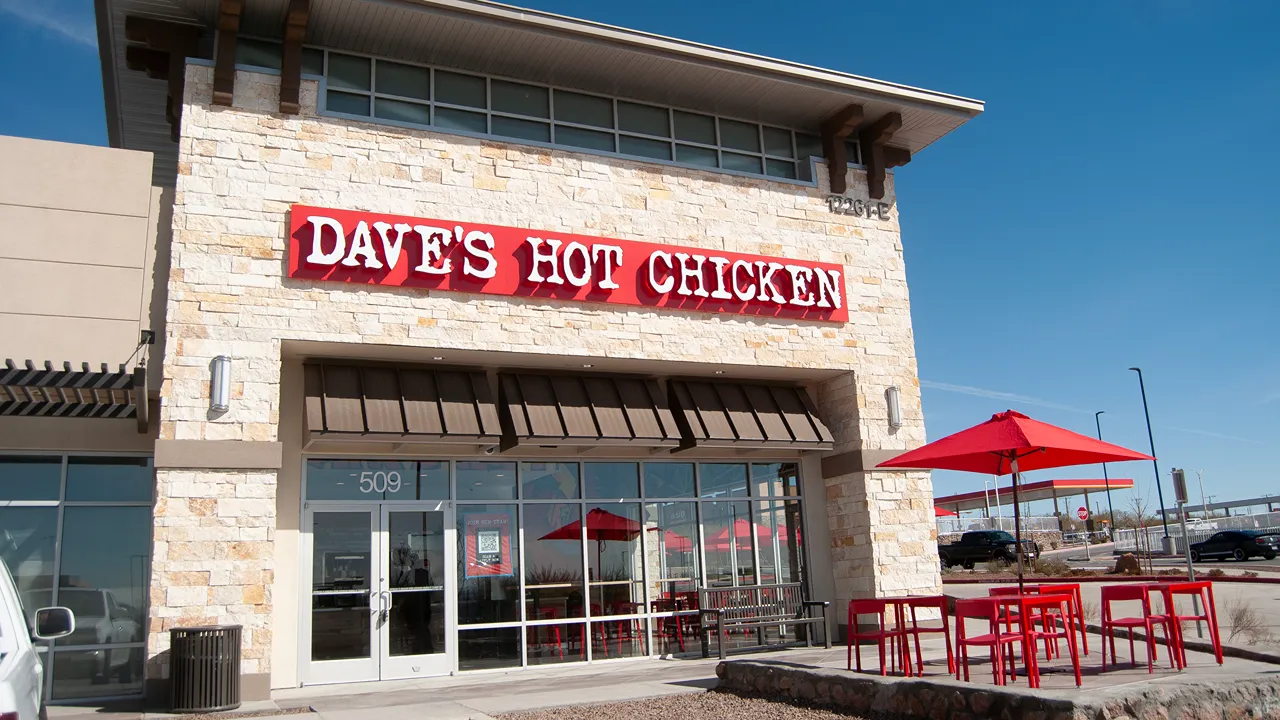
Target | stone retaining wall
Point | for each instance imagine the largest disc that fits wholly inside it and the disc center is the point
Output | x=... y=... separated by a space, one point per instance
x=940 y=698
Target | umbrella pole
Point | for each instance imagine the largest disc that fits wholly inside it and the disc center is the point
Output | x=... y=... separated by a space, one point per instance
x=1017 y=520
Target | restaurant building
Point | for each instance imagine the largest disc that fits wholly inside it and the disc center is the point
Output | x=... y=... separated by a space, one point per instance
x=447 y=336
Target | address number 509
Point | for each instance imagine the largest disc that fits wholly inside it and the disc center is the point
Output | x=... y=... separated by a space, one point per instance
x=379 y=481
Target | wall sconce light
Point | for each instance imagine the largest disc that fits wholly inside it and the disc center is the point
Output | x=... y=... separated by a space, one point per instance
x=895 y=408
x=220 y=384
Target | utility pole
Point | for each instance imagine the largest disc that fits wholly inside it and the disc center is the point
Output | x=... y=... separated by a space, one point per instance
x=1164 y=519
x=1203 y=507
x=1106 y=481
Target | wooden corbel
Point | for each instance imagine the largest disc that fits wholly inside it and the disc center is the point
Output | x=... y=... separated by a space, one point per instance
x=871 y=140
x=295 y=29
x=162 y=55
x=834 y=131
x=224 y=56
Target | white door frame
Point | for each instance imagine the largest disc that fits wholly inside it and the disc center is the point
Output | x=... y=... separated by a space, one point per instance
x=379 y=665
x=336 y=671
x=415 y=666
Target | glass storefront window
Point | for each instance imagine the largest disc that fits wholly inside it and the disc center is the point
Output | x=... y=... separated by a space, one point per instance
x=486 y=480
x=615 y=559
x=488 y=567
x=723 y=480
x=342 y=566
x=775 y=480
x=671 y=548
x=488 y=648
x=28 y=538
x=727 y=531
x=778 y=535
x=363 y=480
x=82 y=539
x=555 y=643
x=614 y=481
x=109 y=479
x=553 y=561
x=668 y=480
x=549 y=481
x=30 y=478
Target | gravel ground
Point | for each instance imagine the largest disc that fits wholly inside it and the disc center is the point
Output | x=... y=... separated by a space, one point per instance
x=704 y=706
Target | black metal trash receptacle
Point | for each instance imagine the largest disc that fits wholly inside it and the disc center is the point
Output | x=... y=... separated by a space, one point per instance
x=204 y=668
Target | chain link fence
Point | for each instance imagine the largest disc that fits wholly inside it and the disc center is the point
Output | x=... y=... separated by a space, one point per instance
x=1128 y=540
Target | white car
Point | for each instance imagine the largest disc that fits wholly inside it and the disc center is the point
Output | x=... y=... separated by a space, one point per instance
x=21 y=672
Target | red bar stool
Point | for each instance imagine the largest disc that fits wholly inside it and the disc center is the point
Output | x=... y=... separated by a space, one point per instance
x=536 y=634
x=1203 y=589
x=881 y=635
x=1046 y=606
x=994 y=639
x=1072 y=589
x=1147 y=621
x=913 y=603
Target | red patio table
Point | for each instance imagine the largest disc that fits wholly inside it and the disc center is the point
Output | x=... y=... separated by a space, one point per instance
x=1027 y=604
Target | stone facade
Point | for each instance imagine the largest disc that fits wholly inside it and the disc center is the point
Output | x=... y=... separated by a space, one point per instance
x=242 y=167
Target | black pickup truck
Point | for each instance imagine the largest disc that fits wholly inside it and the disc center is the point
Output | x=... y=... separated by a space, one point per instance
x=982 y=546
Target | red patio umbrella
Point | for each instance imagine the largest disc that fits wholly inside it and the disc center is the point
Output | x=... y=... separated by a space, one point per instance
x=943 y=512
x=1011 y=442
x=602 y=526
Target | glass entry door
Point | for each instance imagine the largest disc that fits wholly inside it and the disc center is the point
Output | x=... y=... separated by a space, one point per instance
x=381 y=597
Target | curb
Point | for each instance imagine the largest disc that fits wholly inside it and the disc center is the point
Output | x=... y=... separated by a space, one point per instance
x=1199 y=646
x=1105 y=578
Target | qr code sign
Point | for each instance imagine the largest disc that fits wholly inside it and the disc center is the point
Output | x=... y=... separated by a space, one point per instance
x=488 y=543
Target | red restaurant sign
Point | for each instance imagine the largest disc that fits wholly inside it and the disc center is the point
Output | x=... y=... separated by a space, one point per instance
x=392 y=250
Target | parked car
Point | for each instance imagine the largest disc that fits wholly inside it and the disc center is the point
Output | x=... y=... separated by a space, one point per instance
x=1237 y=544
x=983 y=546
x=21 y=671
x=101 y=619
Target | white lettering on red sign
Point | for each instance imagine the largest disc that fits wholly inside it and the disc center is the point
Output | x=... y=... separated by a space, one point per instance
x=339 y=245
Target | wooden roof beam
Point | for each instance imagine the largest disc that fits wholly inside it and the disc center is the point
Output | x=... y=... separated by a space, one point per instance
x=876 y=156
x=834 y=131
x=224 y=56
x=295 y=30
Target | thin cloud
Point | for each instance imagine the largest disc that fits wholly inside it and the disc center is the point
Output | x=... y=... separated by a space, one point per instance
x=997 y=395
x=1220 y=436
x=70 y=21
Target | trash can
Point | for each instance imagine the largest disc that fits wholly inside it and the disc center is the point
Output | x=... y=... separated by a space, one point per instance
x=204 y=668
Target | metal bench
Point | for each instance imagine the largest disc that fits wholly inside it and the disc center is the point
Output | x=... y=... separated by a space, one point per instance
x=758 y=607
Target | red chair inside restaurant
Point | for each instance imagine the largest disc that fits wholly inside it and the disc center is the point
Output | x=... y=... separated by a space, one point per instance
x=1132 y=618
x=936 y=602
x=894 y=638
x=1000 y=643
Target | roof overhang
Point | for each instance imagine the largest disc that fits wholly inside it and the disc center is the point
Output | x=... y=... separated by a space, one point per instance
x=500 y=39
x=30 y=391
x=1030 y=492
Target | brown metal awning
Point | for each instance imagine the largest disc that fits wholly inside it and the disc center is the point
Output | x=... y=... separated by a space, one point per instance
x=747 y=416
x=591 y=410
x=405 y=403
x=83 y=393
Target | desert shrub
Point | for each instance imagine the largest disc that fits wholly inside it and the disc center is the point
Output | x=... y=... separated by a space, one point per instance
x=1091 y=611
x=1246 y=622
x=1248 y=574
x=1053 y=567
x=1216 y=573
x=996 y=566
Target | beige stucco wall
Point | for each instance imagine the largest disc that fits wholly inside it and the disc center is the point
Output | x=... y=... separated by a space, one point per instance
x=226 y=541
x=85 y=237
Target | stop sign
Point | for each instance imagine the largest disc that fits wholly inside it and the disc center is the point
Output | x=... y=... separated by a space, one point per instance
x=1082 y=513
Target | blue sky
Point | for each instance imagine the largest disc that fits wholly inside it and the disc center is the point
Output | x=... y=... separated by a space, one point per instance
x=1115 y=206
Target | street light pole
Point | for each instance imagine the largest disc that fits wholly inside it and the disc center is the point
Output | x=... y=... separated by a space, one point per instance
x=1152 y=443
x=1111 y=509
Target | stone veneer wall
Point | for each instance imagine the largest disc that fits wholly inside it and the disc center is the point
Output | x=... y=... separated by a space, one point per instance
x=240 y=169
